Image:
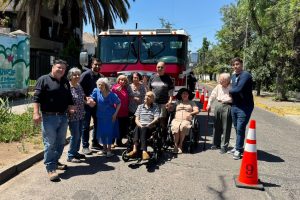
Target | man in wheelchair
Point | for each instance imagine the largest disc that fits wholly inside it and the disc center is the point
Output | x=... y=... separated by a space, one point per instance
x=184 y=109
x=146 y=116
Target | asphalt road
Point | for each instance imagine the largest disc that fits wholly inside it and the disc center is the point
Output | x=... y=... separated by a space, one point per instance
x=203 y=175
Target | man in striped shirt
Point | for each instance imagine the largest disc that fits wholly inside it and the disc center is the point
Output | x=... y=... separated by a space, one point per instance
x=146 y=116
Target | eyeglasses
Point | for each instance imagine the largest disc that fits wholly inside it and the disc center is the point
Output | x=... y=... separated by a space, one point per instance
x=76 y=74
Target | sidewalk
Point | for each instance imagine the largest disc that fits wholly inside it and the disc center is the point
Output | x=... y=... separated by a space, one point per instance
x=14 y=161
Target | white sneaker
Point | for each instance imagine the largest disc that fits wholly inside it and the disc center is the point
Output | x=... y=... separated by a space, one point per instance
x=109 y=154
x=231 y=151
x=101 y=153
x=237 y=155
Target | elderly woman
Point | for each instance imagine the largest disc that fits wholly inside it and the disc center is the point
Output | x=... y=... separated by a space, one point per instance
x=146 y=116
x=108 y=106
x=222 y=113
x=182 y=122
x=76 y=119
x=120 y=88
x=136 y=93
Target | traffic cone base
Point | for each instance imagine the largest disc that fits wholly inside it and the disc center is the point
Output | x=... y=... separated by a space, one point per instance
x=258 y=186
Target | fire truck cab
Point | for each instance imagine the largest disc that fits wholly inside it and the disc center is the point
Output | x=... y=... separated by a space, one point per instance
x=127 y=51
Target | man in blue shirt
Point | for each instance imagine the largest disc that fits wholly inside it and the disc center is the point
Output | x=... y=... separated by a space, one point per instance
x=242 y=104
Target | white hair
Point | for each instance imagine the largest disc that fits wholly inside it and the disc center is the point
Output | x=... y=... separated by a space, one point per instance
x=105 y=81
x=225 y=76
x=73 y=71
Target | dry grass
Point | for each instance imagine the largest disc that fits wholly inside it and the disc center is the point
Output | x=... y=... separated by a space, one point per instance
x=281 y=108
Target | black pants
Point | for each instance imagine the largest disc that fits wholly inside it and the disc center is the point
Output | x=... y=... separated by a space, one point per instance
x=89 y=113
x=142 y=134
x=123 y=128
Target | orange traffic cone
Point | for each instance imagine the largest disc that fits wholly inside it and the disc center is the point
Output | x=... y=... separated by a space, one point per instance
x=248 y=177
x=204 y=108
x=202 y=95
x=197 y=94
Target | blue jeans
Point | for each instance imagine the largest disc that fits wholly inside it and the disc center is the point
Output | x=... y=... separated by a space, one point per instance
x=54 y=129
x=240 y=119
x=89 y=113
x=76 y=130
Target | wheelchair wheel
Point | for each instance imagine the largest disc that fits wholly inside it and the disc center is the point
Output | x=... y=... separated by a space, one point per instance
x=191 y=148
x=191 y=143
x=125 y=158
x=155 y=157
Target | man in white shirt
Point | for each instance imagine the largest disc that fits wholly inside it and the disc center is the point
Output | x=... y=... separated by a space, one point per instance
x=222 y=112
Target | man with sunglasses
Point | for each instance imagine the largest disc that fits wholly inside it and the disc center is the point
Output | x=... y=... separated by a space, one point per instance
x=88 y=81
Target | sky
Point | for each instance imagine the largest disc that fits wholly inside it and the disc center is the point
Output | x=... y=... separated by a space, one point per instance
x=200 y=18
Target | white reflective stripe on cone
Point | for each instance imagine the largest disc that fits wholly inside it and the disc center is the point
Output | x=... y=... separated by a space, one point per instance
x=250 y=148
x=251 y=134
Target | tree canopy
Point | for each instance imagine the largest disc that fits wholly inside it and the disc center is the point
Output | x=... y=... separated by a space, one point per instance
x=266 y=35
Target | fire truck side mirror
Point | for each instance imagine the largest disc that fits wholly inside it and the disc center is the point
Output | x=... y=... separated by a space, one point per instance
x=83 y=59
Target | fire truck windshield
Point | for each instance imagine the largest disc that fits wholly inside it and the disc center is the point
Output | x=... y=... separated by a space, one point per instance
x=170 y=49
x=118 y=49
x=146 y=49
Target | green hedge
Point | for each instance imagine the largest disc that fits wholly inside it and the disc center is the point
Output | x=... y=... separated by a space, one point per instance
x=15 y=127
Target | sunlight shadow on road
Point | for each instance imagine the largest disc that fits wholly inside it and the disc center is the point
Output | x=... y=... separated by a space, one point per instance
x=265 y=156
x=219 y=194
x=92 y=165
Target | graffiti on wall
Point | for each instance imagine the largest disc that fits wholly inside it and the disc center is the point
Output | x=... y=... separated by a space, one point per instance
x=14 y=62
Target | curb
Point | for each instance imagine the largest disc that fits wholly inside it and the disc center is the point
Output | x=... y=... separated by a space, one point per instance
x=12 y=171
x=270 y=109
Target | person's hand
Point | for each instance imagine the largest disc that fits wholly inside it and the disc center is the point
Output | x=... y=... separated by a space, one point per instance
x=114 y=117
x=72 y=109
x=37 y=118
x=136 y=99
x=168 y=105
x=90 y=101
x=139 y=125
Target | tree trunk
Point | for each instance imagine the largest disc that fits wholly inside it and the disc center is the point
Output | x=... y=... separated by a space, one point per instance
x=69 y=10
x=280 y=86
x=34 y=19
x=258 y=87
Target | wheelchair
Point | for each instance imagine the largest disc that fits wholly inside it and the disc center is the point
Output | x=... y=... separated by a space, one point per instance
x=190 y=142
x=154 y=141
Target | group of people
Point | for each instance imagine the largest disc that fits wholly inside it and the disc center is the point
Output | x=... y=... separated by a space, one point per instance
x=74 y=100
x=234 y=104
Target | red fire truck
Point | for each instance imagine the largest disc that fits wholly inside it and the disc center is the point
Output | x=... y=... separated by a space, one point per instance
x=127 y=51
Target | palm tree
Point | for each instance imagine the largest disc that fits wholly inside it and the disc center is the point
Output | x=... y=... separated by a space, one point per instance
x=101 y=14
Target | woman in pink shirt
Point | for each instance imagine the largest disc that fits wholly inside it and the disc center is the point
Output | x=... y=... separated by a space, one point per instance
x=120 y=88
